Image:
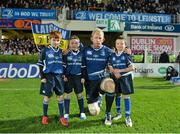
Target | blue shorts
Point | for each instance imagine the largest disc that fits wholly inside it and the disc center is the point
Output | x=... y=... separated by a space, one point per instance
x=74 y=82
x=54 y=83
x=92 y=90
x=124 y=85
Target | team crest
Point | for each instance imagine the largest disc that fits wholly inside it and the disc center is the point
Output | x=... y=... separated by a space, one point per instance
x=69 y=58
x=122 y=58
x=50 y=56
x=89 y=52
x=102 y=53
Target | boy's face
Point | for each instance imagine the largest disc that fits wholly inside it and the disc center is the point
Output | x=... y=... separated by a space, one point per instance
x=97 y=39
x=74 y=44
x=120 y=45
x=55 y=42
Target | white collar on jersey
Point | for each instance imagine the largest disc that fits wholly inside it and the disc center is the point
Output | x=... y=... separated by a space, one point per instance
x=55 y=50
x=96 y=49
x=119 y=53
x=75 y=53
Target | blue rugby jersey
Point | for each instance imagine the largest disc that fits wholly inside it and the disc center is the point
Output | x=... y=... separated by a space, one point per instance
x=73 y=61
x=121 y=61
x=96 y=61
x=51 y=60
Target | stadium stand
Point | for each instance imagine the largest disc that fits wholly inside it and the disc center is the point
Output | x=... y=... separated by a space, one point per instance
x=127 y=6
x=18 y=47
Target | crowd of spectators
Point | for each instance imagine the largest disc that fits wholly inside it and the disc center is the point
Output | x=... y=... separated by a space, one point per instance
x=128 y=6
x=18 y=47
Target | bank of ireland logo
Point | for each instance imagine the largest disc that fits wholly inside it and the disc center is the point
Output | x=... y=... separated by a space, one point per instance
x=169 y=28
x=80 y=15
x=162 y=70
x=7 y=13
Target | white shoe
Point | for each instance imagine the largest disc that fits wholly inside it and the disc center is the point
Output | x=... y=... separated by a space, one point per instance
x=117 y=117
x=83 y=116
x=128 y=122
x=108 y=120
x=66 y=116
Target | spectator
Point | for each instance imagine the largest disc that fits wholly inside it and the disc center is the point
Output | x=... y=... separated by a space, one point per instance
x=178 y=58
x=164 y=58
x=137 y=6
x=17 y=47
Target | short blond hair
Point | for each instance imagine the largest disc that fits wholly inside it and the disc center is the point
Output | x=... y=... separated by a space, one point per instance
x=74 y=37
x=97 y=30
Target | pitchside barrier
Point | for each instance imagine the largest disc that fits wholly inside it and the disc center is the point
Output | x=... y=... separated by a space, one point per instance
x=21 y=70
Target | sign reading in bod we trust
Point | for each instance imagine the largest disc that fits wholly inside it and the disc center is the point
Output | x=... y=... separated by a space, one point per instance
x=17 y=13
x=155 y=45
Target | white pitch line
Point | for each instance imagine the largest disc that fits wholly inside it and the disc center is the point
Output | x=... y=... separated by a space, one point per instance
x=18 y=89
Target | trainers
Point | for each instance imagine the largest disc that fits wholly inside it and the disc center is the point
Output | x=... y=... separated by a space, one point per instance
x=108 y=120
x=44 y=120
x=117 y=117
x=83 y=116
x=66 y=116
x=128 y=122
x=63 y=121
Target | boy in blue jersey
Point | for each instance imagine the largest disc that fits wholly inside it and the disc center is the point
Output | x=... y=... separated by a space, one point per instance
x=95 y=58
x=121 y=67
x=73 y=76
x=51 y=71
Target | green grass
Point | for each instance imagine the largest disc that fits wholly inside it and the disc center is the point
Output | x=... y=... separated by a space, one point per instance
x=155 y=108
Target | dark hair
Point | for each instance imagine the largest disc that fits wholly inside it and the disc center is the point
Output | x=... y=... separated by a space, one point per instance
x=121 y=37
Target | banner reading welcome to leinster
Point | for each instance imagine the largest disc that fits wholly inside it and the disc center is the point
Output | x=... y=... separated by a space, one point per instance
x=41 y=34
x=18 y=13
x=133 y=17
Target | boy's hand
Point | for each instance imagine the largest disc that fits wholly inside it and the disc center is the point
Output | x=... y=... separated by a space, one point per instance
x=128 y=51
x=116 y=71
x=117 y=75
x=65 y=79
x=43 y=80
x=82 y=80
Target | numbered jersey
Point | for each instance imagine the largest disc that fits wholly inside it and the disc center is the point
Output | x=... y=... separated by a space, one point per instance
x=51 y=60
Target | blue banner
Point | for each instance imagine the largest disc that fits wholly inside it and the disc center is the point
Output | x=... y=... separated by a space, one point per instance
x=47 y=28
x=19 y=70
x=17 y=13
x=133 y=17
x=152 y=27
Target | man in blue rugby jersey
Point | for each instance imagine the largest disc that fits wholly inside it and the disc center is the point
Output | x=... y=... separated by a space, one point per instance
x=51 y=71
x=120 y=65
x=73 y=76
x=95 y=58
